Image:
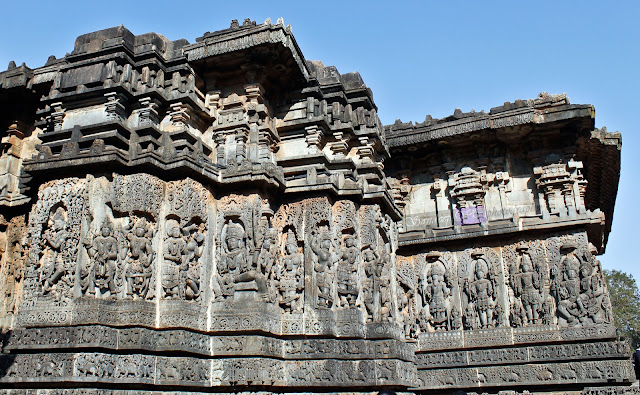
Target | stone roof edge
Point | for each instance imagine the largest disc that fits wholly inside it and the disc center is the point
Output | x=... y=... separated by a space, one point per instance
x=525 y=112
x=231 y=40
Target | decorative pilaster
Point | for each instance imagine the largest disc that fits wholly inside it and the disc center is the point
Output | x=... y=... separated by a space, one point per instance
x=148 y=114
x=314 y=135
x=114 y=107
x=57 y=116
x=365 y=149
x=340 y=146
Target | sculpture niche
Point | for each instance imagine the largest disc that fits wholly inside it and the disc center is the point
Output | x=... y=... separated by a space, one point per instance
x=237 y=271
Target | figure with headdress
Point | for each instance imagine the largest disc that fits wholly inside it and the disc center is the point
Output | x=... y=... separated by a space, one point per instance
x=371 y=281
x=321 y=246
x=290 y=275
x=267 y=254
x=175 y=248
x=234 y=256
x=140 y=258
x=245 y=274
x=592 y=290
x=103 y=252
x=481 y=290
x=15 y=272
x=405 y=292
x=527 y=285
x=386 y=293
x=54 y=240
x=436 y=291
x=193 y=251
x=567 y=285
x=346 y=273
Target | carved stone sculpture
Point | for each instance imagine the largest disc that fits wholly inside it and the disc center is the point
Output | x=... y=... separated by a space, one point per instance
x=567 y=284
x=406 y=293
x=346 y=273
x=372 y=283
x=54 y=241
x=289 y=279
x=321 y=243
x=437 y=291
x=193 y=252
x=174 y=277
x=234 y=256
x=580 y=289
x=103 y=252
x=140 y=259
x=527 y=282
x=481 y=293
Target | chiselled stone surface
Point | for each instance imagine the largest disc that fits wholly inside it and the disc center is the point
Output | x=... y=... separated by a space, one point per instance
x=216 y=216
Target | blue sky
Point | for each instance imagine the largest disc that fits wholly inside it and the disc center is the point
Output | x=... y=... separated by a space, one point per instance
x=418 y=57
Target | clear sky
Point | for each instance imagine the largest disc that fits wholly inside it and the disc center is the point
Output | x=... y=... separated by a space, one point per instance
x=418 y=57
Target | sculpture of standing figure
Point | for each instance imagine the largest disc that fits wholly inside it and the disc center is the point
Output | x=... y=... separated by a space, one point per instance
x=437 y=292
x=321 y=246
x=481 y=290
x=193 y=252
x=54 y=240
x=347 y=269
x=175 y=267
x=592 y=291
x=290 y=275
x=267 y=255
x=104 y=254
x=386 y=294
x=234 y=257
x=15 y=272
x=567 y=286
x=371 y=282
x=140 y=258
x=527 y=284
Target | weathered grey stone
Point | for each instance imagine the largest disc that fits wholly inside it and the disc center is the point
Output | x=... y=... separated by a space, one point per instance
x=216 y=216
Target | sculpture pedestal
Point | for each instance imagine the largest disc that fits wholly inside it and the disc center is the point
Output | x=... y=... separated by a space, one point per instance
x=246 y=292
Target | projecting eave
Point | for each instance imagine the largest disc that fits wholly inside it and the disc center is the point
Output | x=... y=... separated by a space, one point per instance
x=508 y=125
x=271 y=47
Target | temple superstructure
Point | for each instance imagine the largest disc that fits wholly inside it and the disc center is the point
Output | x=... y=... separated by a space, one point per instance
x=226 y=216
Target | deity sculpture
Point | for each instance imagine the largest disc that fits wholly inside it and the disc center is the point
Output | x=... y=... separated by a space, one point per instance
x=15 y=272
x=386 y=294
x=436 y=291
x=405 y=293
x=139 y=259
x=592 y=290
x=481 y=291
x=290 y=281
x=567 y=286
x=267 y=254
x=321 y=246
x=193 y=251
x=456 y=320
x=54 y=241
x=175 y=267
x=237 y=271
x=103 y=252
x=371 y=283
x=346 y=273
x=234 y=256
x=527 y=286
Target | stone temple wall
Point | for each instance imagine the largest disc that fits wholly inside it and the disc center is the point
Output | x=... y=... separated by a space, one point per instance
x=217 y=217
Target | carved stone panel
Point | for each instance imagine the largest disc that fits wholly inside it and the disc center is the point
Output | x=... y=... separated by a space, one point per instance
x=480 y=272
